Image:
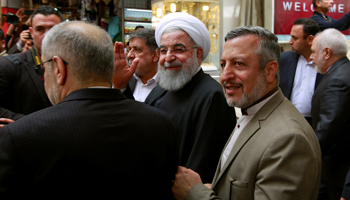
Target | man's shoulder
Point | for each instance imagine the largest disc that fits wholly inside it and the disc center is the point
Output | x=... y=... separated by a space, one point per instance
x=16 y=59
x=289 y=55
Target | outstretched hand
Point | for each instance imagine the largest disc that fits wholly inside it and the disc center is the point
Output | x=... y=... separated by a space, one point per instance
x=122 y=72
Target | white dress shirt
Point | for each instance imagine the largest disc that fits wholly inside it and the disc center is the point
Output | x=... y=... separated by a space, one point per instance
x=303 y=86
x=142 y=90
x=241 y=124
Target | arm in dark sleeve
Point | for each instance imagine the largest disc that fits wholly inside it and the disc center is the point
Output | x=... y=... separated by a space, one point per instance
x=334 y=114
x=340 y=24
x=7 y=73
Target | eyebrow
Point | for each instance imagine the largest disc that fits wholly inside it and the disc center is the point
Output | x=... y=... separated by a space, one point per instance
x=175 y=45
x=234 y=58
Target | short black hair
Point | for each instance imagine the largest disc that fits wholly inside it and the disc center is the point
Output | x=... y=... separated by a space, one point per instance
x=310 y=26
x=139 y=27
x=2 y=36
x=46 y=10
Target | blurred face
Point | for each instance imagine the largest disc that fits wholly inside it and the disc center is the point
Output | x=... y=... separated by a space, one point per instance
x=242 y=80
x=297 y=42
x=179 y=60
x=325 y=4
x=41 y=24
x=147 y=64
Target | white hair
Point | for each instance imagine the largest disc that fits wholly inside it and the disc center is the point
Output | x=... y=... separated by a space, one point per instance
x=334 y=40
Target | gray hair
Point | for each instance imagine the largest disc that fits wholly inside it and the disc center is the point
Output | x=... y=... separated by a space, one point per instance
x=146 y=34
x=268 y=49
x=89 y=53
x=333 y=39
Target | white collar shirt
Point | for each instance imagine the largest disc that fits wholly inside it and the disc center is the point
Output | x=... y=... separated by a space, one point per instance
x=303 y=86
x=141 y=90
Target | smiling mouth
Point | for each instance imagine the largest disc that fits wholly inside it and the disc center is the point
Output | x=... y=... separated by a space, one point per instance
x=172 y=67
x=232 y=86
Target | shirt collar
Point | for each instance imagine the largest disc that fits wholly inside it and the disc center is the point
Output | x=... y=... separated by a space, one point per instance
x=255 y=107
x=155 y=78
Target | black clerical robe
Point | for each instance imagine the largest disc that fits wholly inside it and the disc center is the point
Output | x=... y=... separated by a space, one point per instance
x=203 y=120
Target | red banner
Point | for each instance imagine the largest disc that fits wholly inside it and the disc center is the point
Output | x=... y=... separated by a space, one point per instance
x=287 y=11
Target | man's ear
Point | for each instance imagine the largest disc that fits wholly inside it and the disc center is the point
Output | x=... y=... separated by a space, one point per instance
x=271 y=68
x=31 y=30
x=199 y=54
x=60 y=70
x=309 y=39
x=327 y=53
x=155 y=55
x=3 y=44
x=318 y=3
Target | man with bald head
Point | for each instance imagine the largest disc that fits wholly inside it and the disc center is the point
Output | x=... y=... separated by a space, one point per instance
x=193 y=99
x=87 y=144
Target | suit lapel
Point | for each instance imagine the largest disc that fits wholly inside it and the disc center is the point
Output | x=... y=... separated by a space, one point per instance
x=132 y=84
x=154 y=95
x=318 y=79
x=252 y=127
x=291 y=72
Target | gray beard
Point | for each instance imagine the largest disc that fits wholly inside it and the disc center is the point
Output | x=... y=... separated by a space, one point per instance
x=256 y=93
x=173 y=80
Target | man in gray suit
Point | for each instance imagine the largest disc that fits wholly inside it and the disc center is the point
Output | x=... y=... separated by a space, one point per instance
x=330 y=110
x=273 y=152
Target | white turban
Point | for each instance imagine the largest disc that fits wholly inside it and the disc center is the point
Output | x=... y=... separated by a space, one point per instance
x=190 y=24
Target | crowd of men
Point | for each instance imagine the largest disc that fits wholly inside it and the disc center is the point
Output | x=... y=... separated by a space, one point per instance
x=82 y=118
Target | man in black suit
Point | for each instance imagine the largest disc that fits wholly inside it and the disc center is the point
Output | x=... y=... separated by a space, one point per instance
x=144 y=47
x=330 y=110
x=298 y=76
x=21 y=88
x=94 y=142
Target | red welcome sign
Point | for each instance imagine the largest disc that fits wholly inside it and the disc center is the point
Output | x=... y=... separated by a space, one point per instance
x=287 y=11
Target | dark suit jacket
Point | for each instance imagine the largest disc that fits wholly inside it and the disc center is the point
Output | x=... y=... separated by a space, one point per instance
x=288 y=66
x=341 y=24
x=129 y=91
x=21 y=88
x=203 y=120
x=95 y=142
x=331 y=122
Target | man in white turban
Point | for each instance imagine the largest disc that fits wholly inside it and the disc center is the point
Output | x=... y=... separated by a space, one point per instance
x=193 y=99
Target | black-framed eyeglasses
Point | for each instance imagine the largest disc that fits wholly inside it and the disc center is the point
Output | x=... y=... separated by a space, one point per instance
x=40 y=70
x=175 y=50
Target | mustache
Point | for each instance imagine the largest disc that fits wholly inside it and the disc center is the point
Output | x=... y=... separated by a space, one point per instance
x=172 y=64
x=233 y=83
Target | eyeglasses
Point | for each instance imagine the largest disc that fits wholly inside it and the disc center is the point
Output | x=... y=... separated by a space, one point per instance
x=175 y=50
x=40 y=70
